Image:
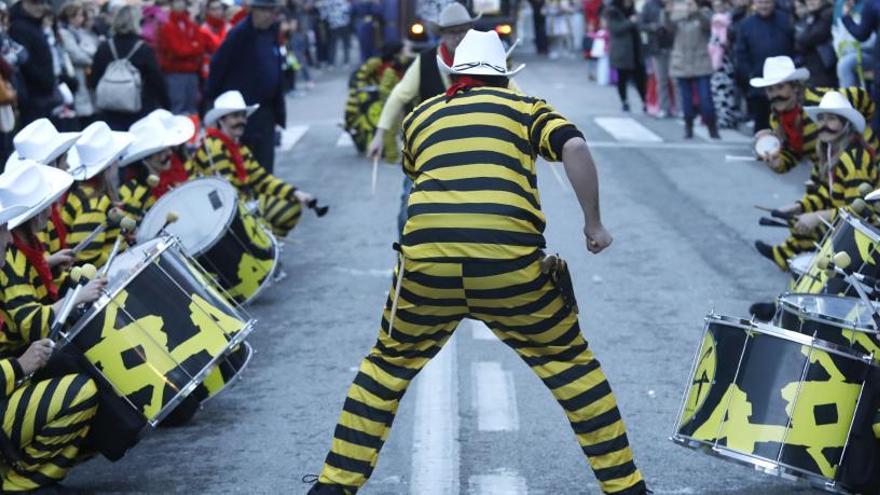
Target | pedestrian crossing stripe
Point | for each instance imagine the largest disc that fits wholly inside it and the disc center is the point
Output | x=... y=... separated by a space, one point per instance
x=627 y=129
x=344 y=140
x=291 y=136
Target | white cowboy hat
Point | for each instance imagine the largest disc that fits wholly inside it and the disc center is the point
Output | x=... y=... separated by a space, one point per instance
x=149 y=138
x=180 y=128
x=835 y=103
x=778 y=70
x=454 y=15
x=480 y=54
x=96 y=149
x=34 y=185
x=228 y=102
x=40 y=141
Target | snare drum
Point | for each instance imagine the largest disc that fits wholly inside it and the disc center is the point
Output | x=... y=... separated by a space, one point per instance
x=777 y=400
x=799 y=264
x=767 y=144
x=216 y=229
x=845 y=321
x=159 y=331
x=858 y=239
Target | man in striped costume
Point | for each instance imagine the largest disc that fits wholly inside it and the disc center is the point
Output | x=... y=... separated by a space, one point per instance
x=473 y=248
x=223 y=154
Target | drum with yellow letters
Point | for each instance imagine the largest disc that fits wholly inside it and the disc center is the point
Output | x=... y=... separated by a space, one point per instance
x=217 y=229
x=161 y=330
x=781 y=401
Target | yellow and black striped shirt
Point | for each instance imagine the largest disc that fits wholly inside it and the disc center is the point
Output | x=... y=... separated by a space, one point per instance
x=472 y=160
x=213 y=158
x=24 y=304
x=85 y=210
x=854 y=167
x=136 y=196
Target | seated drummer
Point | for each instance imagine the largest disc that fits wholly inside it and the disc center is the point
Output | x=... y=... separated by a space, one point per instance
x=223 y=154
x=44 y=422
x=87 y=207
x=788 y=94
x=183 y=129
x=31 y=283
x=145 y=160
x=844 y=160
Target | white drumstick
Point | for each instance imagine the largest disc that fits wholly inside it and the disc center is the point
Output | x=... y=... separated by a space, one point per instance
x=127 y=225
x=375 y=173
x=739 y=158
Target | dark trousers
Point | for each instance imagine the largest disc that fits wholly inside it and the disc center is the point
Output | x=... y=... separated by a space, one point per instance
x=342 y=34
x=540 y=21
x=259 y=136
x=759 y=109
x=637 y=76
x=688 y=86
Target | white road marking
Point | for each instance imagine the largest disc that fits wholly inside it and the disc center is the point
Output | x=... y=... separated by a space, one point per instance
x=713 y=146
x=435 y=460
x=291 y=136
x=627 y=129
x=495 y=397
x=344 y=140
x=504 y=482
x=727 y=135
x=481 y=331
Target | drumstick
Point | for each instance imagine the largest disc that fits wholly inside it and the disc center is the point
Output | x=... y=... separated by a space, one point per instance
x=375 y=173
x=153 y=180
x=770 y=222
x=764 y=208
x=78 y=276
x=865 y=189
x=170 y=218
x=126 y=224
x=739 y=158
x=88 y=240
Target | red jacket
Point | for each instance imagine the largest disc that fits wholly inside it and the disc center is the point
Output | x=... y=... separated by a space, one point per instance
x=181 y=46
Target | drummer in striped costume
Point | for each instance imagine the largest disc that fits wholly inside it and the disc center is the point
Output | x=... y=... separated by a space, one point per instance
x=223 y=154
x=44 y=421
x=32 y=283
x=844 y=162
x=472 y=248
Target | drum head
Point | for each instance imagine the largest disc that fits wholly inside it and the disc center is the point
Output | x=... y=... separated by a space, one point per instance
x=204 y=209
x=848 y=312
x=127 y=263
x=800 y=264
x=767 y=144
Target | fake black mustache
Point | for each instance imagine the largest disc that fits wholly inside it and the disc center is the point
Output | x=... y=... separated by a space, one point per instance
x=239 y=126
x=778 y=99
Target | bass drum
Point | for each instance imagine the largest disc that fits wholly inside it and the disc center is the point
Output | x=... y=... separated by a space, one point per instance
x=216 y=229
x=780 y=401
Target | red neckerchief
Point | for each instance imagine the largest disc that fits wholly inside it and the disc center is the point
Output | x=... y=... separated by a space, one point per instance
x=176 y=174
x=217 y=25
x=36 y=256
x=462 y=83
x=60 y=228
x=791 y=122
x=234 y=153
x=445 y=55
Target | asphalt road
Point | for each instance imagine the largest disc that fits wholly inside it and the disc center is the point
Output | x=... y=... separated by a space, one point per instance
x=477 y=421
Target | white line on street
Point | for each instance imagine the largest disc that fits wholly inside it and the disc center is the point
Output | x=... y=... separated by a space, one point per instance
x=344 y=140
x=504 y=482
x=372 y=272
x=727 y=135
x=435 y=461
x=291 y=136
x=627 y=129
x=495 y=397
x=715 y=146
x=481 y=331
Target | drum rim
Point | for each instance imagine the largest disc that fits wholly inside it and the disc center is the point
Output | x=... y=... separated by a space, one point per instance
x=796 y=337
x=791 y=308
x=860 y=225
x=237 y=377
x=228 y=222
x=276 y=261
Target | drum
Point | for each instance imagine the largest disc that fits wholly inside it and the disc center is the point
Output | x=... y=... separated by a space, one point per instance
x=858 y=239
x=216 y=229
x=767 y=144
x=777 y=400
x=362 y=113
x=800 y=264
x=159 y=331
x=845 y=321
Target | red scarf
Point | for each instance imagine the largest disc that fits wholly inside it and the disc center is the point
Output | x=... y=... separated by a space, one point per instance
x=445 y=55
x=176 y=174
x=462 y=83
x=792 y=125
x=218 y=26
x=36 y=256
x=234 y=153
x=60 y=228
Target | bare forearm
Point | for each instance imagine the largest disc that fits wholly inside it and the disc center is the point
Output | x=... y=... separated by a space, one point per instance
x=581 y=172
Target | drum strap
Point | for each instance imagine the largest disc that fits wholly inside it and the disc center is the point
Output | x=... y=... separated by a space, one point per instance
x=397 y=288
x=557 y=269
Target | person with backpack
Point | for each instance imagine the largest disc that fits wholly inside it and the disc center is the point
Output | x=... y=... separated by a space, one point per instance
x=125 y=74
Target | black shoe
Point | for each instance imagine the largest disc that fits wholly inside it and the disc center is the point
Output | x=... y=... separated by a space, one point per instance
x=688 y=128
x=765 y=250
x=763 y=311
x=325 y=489
x=625 y=107
x=56 y=489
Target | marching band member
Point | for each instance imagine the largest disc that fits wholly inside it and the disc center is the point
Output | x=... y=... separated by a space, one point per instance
x=93 y=164
x=31 y=282
x=472 y=247
x=146 y=159
x=182 y=128
x=44 y=422
x=843 y=162
x=223 y=154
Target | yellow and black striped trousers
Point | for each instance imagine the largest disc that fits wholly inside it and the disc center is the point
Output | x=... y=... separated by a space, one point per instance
x=523 y=309
x=794 y=245
x=281 y=214
x=47 y=421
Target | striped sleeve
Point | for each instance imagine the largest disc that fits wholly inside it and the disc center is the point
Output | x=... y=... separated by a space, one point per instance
x=10 y=373
x=548 y=131
x=787 y=161
x=83 y=215
x=199 y=162
x=134 y=199
x=854 y=169
x=262 y=181
x=26 y=318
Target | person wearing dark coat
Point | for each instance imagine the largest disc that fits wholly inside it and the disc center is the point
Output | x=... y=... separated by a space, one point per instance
x=862 y=31
x=37 y=73
x=814 y=46
x=249 y=61
x=154 y=94
x=625 y=51
x=768 y=32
